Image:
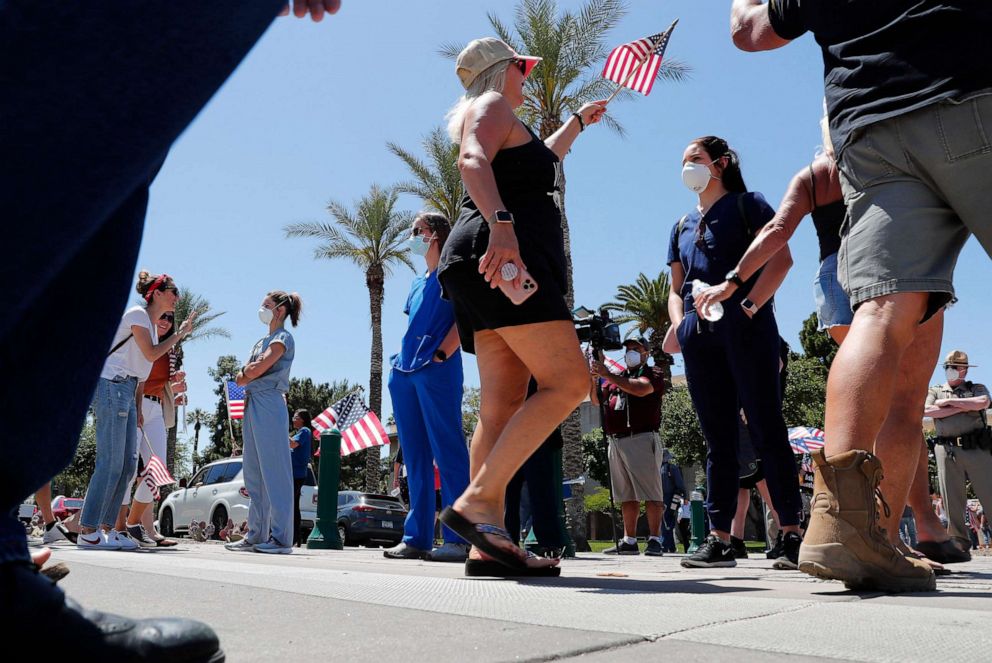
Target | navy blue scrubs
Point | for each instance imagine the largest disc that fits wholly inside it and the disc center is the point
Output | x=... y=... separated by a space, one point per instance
x=733 y=362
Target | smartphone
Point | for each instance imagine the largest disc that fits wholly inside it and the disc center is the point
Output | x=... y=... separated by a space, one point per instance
x=528 y=286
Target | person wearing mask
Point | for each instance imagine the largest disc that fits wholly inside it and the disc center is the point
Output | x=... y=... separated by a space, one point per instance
x=731 y=360
x=136 y=347
x=816 y=191
x=268 y=467
x=963 y=448
x=631 y=407
x=425 y=384
x=672 y=485
x=301 y=450
x=510 y=225
x=892 y=73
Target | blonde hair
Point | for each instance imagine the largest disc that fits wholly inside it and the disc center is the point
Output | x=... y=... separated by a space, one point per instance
x=492 y=79
x=291 y=301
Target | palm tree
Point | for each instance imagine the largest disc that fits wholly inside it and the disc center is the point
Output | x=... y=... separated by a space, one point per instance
x=188 y=302
x=437 y=182
x=573 y=48
x=645 y=304
x=372 y=238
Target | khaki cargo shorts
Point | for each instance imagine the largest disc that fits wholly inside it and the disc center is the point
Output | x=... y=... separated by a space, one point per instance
x=635 y=467
x=916 y=187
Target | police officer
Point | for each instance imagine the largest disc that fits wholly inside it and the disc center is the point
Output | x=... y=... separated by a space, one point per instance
x=964 y=443
x=672 y=485
x=631 y=417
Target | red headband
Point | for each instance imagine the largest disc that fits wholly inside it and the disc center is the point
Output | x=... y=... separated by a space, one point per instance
x=156 y=284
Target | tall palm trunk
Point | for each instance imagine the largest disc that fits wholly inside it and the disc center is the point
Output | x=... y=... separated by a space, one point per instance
x=375 y=280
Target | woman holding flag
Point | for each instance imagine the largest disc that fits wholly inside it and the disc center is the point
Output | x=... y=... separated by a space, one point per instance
x=136 y=346
x=509 y=225
x=268 y=469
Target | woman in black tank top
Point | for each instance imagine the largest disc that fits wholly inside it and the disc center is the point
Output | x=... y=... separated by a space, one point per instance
x=509 y=217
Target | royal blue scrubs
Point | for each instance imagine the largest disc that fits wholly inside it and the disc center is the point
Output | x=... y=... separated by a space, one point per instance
x=427 y=400
x=734 y=362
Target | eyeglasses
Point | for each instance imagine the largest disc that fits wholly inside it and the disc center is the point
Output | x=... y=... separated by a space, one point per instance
x=521 y=65
x=168 y=316
x=417 y=232
x=701 y=234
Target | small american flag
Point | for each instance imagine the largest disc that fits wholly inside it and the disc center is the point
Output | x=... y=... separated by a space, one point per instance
x=625 y=59
x=155 y=473
x=360 y=427
x=235 y=401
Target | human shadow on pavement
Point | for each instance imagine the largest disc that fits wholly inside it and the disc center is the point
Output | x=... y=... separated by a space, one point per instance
x=613 y=585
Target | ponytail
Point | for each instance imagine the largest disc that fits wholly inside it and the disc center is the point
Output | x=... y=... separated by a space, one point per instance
x=149 y=284
x=292 y=303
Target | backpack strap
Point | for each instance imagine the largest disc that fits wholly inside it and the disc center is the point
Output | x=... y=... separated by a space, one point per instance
x=121 y=344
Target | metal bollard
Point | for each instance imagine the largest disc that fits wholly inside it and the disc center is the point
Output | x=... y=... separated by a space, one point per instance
x=325 y=531
x=697 y=519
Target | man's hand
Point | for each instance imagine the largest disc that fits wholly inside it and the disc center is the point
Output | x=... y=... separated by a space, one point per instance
x=599 y=369
x=316 y=8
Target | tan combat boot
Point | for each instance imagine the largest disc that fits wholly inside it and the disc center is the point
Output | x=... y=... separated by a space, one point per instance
x=843 y=541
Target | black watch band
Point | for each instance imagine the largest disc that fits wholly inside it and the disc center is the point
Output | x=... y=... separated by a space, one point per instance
x=582 y=124
x=734 y=278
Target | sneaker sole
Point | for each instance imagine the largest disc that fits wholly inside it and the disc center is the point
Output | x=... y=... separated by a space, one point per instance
x=278 y=551
x=832 y=561
x=654 y=554
x=707 y=565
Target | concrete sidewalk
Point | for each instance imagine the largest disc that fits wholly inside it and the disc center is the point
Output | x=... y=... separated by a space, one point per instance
x=355 y=605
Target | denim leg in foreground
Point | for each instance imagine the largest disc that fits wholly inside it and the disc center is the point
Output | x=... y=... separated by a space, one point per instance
x=114 y=413
x=74 y=183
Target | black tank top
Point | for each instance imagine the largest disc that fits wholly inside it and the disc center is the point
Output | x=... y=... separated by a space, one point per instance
x=828 y=221
x=525 y=178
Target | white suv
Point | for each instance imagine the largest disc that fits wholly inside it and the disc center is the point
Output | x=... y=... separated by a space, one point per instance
x=216 y=493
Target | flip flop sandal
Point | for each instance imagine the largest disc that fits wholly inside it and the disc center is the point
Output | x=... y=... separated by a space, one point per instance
x=488 y=567
x=166 y=543
x=474 y=534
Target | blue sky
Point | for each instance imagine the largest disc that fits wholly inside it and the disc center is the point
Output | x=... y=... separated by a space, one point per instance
x=305 y=120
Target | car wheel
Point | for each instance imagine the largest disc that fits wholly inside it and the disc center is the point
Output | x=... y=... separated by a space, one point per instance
x=165 y=523
x=219 y=520
x=343 y=535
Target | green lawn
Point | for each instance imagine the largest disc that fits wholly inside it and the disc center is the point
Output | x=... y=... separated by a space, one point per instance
x=600 y=546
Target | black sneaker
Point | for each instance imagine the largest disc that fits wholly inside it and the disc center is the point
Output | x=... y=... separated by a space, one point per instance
x=775 y=551
x=789 y=559
x=740 y=550
x=624 y=549
x=653 y=548
x=713 y=552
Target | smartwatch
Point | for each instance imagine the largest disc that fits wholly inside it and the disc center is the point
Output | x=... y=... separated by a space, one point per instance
x=440 y=355
x=749 y=306
x=501 y=216
x=734 y=278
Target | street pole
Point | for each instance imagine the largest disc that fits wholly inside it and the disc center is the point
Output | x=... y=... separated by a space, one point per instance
x=325 y=531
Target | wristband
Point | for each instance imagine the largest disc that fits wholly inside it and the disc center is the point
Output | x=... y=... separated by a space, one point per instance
x=582 y=125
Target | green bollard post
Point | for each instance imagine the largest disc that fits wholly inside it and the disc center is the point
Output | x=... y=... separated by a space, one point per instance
x=325 y=531
x=697 y=519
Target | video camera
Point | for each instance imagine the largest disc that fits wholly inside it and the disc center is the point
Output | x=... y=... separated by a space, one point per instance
x=597 y=329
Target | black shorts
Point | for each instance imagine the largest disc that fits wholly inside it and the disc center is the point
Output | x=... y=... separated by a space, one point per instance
x=479 y=307
x=751 y=481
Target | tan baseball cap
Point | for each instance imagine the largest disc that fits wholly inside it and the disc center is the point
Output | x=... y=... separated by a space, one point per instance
x=480 y=54
x=958 y=358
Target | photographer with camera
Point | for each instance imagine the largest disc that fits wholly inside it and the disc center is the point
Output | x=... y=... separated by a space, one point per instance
x=631 y=418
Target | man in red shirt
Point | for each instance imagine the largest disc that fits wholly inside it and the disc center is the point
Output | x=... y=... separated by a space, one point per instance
x=631 y=418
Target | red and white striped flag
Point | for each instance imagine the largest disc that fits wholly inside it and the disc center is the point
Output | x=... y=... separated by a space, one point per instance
x=360 y=427
x=156 y=474
x=626 y=59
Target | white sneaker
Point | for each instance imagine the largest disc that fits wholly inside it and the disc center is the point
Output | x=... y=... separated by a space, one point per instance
x=98 y=540
x=240 y=546
x=273 y=548
x=126 y=543
x=55 y=534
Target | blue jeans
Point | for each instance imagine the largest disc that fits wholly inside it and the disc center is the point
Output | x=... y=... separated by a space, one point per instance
x=94 y=94
x=268 y=468
x=427 y=405
x=116 y=451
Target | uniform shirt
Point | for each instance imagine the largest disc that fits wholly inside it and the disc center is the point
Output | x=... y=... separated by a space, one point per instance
x=128 y=361
x=277 y=377
x=885 y=58
x=725 y=236
x=430 y=320
x=301 y=454
x=626 y=414
x=965 y=422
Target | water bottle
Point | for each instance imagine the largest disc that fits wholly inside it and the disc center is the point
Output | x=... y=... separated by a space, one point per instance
x=711 y=313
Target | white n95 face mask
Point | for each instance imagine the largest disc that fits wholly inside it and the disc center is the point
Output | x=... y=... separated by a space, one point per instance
x=696 y=176
x=951 y=373
x=632 y=358
x=265 y=315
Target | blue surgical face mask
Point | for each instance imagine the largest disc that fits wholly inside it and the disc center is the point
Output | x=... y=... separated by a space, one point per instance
x=419 y=244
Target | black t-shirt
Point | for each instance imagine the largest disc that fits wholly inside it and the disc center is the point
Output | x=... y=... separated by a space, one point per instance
x=884 y=58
